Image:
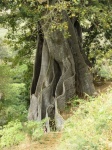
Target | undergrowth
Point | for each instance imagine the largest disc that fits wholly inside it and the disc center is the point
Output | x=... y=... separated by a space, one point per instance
x=90 y=128
x=11 y=134
x=103 y=66
x=15 y=132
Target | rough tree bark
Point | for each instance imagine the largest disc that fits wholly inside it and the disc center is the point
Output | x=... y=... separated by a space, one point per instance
x=60 y=72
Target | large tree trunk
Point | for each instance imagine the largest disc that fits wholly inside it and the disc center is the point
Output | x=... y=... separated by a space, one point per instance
x=60 y=73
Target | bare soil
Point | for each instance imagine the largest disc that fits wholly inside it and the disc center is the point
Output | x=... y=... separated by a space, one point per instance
x=102 y=87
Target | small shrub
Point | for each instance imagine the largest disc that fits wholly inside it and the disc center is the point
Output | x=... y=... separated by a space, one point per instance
x=11 y=134
x=15 y=132
x=34 y=129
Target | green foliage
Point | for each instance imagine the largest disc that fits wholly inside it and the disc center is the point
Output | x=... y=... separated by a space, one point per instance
x=34 y=129
x=5 y=77
x=103 y=66
x=23 y=17
x=11 y=134
x=18 y=73
x=91 y=125
x=5 y=72
x=22 y=74
x=14 y=106
x=15 y=132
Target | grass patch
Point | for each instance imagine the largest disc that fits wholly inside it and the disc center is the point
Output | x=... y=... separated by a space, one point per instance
x=90 y=128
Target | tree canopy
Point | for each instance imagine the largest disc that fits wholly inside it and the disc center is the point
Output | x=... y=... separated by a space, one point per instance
x=21 y=20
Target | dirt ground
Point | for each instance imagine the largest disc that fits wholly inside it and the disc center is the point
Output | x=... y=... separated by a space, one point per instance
x=51 y=140
x=102 y=87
